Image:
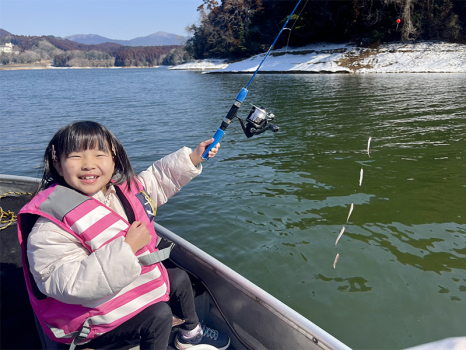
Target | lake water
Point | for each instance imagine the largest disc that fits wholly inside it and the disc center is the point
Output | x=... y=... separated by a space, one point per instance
x=271 y=207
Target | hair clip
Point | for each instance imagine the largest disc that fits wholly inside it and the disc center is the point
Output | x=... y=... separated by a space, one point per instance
x=54 y=154
x=113 y=150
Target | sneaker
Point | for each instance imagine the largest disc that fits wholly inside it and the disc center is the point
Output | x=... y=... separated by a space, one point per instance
x=205 y=335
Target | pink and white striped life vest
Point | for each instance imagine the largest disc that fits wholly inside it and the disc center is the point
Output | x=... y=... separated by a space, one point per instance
x=94 y=225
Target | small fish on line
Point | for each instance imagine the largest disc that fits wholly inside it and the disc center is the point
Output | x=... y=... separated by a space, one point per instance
x=350 y=211
x=368 y=146
x=361 y=174
x=339 y=236
x=336 y=260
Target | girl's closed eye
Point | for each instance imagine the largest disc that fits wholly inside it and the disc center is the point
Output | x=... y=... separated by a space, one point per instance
x=74 y=155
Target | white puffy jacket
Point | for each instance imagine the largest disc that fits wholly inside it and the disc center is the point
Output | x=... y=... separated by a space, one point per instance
x=63 y=269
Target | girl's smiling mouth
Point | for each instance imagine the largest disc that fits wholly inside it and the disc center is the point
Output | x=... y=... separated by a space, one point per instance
x=88 y=178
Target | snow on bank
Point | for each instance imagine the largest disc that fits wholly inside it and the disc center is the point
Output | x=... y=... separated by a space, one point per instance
x=321 y=58
x=417 y=58
x=422 y=57
x=208 y=64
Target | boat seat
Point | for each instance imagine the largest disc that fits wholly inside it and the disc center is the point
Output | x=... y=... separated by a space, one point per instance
x=49 y=344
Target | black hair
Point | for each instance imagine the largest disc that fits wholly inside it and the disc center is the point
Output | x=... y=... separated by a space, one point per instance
x=80 y=136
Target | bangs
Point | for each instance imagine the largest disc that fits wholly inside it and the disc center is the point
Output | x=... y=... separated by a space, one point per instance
x=83 y=136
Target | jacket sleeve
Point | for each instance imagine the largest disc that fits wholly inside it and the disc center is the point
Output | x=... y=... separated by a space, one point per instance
x=166 y=176
x=65 y=270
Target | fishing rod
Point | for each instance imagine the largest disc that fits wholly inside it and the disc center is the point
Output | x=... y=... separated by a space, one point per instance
x=258 y=120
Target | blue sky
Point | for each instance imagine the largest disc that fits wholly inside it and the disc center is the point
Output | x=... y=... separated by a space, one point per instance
x=114 y=19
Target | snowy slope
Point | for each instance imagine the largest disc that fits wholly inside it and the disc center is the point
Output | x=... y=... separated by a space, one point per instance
x=436 y=57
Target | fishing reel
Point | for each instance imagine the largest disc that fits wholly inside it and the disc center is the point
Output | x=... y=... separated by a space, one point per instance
x=257 y=122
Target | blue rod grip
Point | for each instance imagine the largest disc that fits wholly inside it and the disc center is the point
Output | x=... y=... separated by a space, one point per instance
x=242 y=95
x=217 y=136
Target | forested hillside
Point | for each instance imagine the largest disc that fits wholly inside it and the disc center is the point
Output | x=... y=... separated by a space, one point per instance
x=241 y=28
x=143 y=56
x=67 y=53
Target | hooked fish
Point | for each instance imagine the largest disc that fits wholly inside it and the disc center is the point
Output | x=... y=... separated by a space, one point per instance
x=350 y=211
x=368 y=146
x=341 y=234
x=361 y=174
x=335 y=261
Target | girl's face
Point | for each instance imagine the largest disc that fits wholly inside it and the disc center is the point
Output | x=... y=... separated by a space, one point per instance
x=87 y=171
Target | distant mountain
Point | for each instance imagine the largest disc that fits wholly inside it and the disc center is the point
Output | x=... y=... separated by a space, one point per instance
x=89 y=39
x=156 y=39
x=3 y=32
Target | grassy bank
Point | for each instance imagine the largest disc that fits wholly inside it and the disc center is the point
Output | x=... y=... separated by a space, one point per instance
x=43 y=64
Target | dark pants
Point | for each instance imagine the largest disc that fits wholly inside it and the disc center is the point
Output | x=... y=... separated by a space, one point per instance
x=153 y=324
x=182 y=298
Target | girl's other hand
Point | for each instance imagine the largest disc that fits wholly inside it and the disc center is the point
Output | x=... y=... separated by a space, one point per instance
x=138 y=236
x=196 y=156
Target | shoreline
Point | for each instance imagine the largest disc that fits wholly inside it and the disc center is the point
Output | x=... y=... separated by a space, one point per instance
x=26 y=66
x=46 y=64
x=323 y=58
x=39 y=67
x=327 y=58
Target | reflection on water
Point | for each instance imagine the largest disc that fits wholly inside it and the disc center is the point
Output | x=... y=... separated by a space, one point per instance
x=272 y=206
x=350 y=284
x=436 y=253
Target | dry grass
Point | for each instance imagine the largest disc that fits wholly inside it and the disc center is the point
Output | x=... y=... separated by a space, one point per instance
x=16 y=66
x=353 y=61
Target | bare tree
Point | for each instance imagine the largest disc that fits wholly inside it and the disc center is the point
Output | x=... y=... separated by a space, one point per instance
x=46 y=50
x=409 y=31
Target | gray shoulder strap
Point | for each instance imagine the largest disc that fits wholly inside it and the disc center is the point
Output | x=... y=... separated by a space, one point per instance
x=61 y=201
x=156 y=257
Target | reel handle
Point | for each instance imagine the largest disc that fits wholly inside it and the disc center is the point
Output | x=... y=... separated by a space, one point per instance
x=217 y=136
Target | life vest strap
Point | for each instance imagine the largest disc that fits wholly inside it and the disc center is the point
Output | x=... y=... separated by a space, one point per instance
x=83 y=334
x=157 y=256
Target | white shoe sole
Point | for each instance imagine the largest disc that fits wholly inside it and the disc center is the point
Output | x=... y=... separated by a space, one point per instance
x=184 y=346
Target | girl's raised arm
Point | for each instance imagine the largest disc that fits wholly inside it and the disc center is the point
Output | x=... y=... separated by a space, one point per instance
x=167 y=175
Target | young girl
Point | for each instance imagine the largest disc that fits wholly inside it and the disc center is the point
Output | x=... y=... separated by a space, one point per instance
x=95 y=275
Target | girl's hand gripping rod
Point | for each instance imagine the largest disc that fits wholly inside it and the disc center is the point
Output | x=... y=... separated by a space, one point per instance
x=257 y=123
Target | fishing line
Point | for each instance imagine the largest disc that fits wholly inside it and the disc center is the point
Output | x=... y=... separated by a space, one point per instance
x=258 y=120
x=286 y=51
x=270 y=49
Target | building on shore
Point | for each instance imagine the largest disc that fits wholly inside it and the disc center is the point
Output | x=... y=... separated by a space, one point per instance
x=7 y=48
